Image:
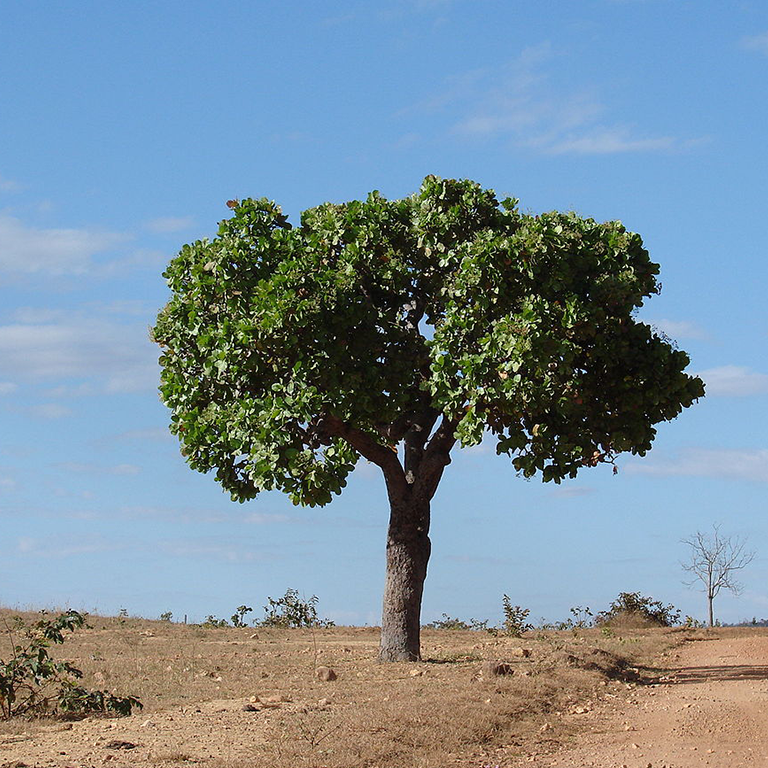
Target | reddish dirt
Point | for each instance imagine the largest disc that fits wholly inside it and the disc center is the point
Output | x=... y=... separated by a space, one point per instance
x=711 y=710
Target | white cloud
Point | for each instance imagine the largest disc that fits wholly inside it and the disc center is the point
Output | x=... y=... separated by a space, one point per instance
x=84 y=389
x=726 y=463
x=734 y=380
x=679 y=329
x=7 y=483
x=524 y=104
x=570 y=492
x=159 y=435
x=203 y=551
x=756 y=43
x=609 y=141
x=50 y=411
x=263 y=518
x=50 y=252
x=74 y=547
x=7 y=387
x=8 y=185
x=121 y=355
x=98 y=469
x=170 y=224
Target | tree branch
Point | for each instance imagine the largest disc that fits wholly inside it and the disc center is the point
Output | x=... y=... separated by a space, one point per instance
x=435 y=459
x=383 y=456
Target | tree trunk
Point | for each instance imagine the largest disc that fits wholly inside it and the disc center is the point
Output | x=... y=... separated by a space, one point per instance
x=408 y=550
x=711 y=600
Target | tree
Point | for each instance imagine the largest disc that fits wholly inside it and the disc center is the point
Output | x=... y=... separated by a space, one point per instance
x=713 y=561
x=394 y=329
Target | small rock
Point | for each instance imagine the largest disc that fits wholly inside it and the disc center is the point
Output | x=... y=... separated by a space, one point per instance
x=324 y=703
x=524 y=653
x=250 y=708
x=634 y=746
x=416 y=673
x=118 y=744
x=254 y=636
x=496 y=669
x=544 y=728
x=325 y=673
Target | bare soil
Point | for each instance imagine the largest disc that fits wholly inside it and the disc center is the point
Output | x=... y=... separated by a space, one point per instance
x=226 y=698
x=710 y=709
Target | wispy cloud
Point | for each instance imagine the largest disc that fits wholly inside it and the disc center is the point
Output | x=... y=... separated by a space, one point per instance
x=120 y=355
x=756 y=43
x=679 y=329
x=7 y=483
x=8 y=185
x=735 y=381
x=49 y=411
x=726 y=463
x=7 y=387
x=572 y=492
x=61 y=549
x=170 y=224
x=99 y=469
x=522 y=103
x=151 y=434
x=26 y=250
x=264 y=518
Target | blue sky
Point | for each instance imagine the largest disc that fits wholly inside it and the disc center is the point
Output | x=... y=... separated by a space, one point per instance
x=125 y=128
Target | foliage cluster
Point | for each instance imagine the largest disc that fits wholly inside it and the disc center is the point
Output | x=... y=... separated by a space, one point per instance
x=290 y=610
x=289 y=352
x=634 y=607
x=448 y=622
x=33 y=682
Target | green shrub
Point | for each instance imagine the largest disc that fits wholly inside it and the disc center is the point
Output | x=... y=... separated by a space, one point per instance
x=239 y=615
x=31 y=681
x=632 y=608
x=211 y=622
x=515 y=618
x=450 y=623
x=292 y=611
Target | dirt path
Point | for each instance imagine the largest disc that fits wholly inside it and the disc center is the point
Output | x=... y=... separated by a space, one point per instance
x=711 y=711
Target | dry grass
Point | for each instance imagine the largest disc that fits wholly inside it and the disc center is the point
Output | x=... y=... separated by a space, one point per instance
x=194 y=682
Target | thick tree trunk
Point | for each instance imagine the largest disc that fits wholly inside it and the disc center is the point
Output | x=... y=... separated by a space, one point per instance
x=408 y=550
x=711 y=611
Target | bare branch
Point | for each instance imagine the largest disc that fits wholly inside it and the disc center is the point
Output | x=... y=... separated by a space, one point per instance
x=713 y=561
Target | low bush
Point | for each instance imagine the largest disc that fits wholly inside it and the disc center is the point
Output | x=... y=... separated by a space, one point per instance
x=633 y=609
x=32 y=682
x=447 y=622
x=290 y=610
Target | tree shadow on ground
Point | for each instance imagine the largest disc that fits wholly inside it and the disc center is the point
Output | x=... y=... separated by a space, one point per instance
x=718 y=674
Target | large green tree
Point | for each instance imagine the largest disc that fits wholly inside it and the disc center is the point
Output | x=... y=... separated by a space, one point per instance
x=394 y=329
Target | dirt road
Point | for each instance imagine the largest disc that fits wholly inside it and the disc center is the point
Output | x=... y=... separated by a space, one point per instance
x=712 y=710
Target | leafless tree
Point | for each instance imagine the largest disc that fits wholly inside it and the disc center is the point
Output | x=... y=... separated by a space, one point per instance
x=713 y=560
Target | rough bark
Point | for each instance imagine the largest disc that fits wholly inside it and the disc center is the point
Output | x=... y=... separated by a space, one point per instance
x=410 y=492
x=408 y=550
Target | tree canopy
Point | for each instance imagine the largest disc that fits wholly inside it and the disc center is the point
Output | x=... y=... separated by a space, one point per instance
x=289 y=352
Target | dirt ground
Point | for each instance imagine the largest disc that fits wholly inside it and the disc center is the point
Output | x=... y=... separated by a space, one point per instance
x=710 y=710
x=232 y=698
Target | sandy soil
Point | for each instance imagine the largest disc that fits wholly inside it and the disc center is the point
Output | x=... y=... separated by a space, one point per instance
x=712 y=710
